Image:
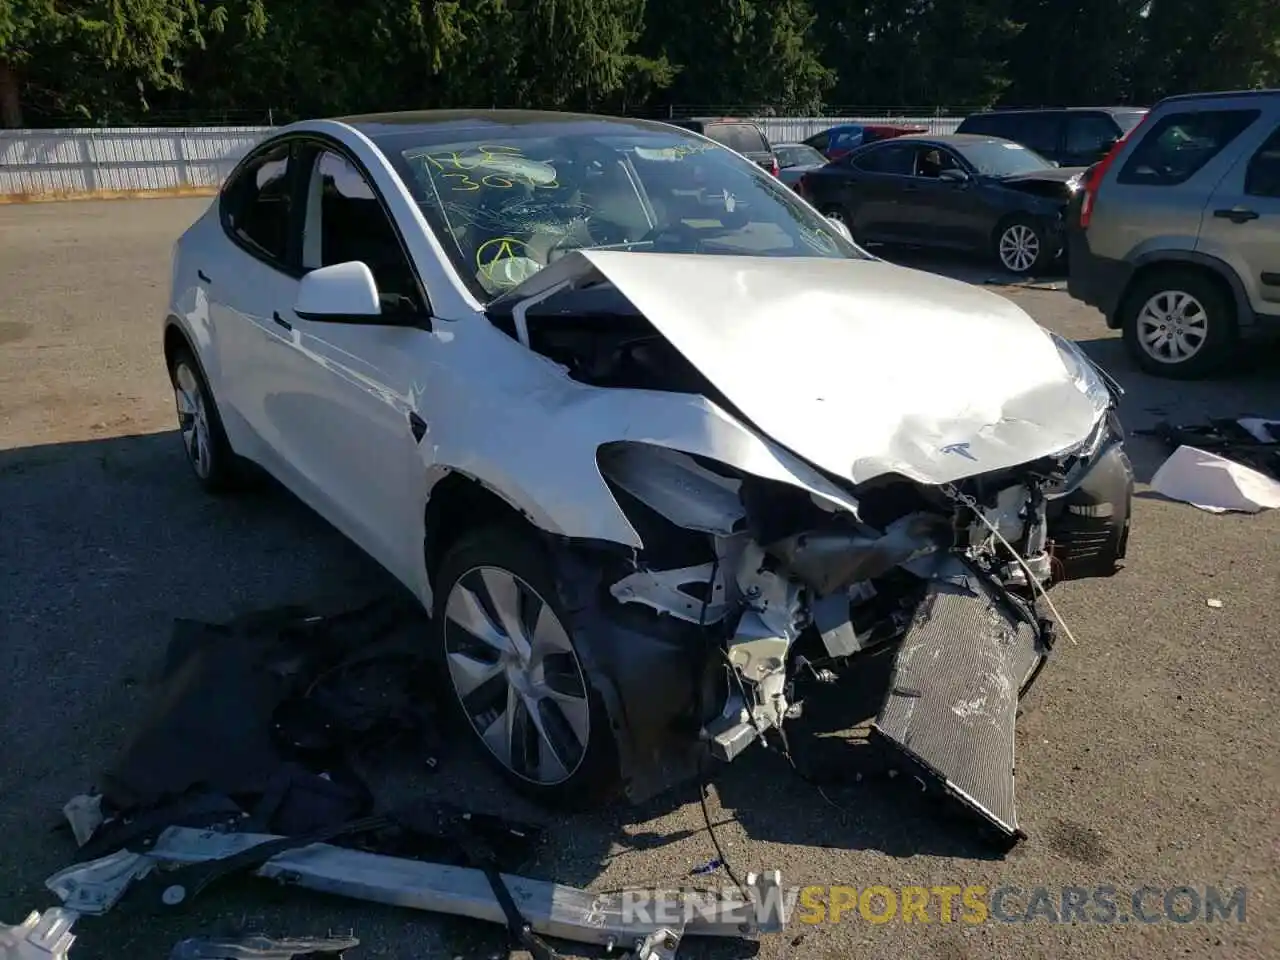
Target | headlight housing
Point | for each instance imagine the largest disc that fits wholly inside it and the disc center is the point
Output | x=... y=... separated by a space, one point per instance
x=1088 y=377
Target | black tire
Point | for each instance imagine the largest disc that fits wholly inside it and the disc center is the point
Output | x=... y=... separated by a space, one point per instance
x=1215 y=316
x=218 y=470
x=593 y=770
x=1033 y=231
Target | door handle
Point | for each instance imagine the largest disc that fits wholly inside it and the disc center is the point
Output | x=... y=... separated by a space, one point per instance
x=1236 y=214
x=203 y=276
x=281 y=320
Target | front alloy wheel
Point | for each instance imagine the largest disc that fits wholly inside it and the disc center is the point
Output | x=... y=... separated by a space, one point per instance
x=515 y=672
x=1020 y=247
x=516 y=675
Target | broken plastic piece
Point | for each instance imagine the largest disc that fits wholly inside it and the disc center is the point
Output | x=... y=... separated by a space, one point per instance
x=42 y=936
x=1214 y=483
x=259 y=948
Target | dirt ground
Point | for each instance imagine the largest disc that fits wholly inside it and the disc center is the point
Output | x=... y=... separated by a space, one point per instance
x=1150 y=758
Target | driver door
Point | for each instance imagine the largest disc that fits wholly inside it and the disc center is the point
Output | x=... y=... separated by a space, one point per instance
x=344 y=396
x=939 y=212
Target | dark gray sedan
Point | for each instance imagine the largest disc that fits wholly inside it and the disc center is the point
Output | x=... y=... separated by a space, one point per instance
x=958 y=191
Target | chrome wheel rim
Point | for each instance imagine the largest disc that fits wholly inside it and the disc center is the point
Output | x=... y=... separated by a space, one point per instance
x=1019 y=248
x=193 y=420
x=1172 y=326
x=516 y=675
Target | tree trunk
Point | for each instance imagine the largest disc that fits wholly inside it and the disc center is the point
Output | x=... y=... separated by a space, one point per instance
x=10 y=105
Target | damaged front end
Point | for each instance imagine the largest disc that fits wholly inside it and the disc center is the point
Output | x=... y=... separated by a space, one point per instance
x=952 y=573
x=932 y=517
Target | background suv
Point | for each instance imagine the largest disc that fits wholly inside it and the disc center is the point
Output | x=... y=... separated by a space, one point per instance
x=744 y=136
x=1069 y=136
x=1177 y=237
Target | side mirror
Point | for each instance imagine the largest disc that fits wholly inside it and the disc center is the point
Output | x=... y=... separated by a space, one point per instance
x=840 y=227
x=342 y=293
x=953 y=175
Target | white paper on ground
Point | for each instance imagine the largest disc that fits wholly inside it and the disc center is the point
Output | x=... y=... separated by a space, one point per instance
x=1215 y=483
x=1264 y=431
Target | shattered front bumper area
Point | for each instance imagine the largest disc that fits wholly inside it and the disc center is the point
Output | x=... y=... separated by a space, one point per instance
x=766 y=585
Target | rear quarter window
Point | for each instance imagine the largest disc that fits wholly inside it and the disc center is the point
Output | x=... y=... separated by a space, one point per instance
x=1178 y=146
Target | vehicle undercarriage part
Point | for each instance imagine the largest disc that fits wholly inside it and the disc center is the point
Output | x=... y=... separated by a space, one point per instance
x=953 y=573
x=549 y=909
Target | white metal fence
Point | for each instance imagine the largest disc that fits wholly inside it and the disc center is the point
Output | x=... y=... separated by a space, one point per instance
x=95 y=160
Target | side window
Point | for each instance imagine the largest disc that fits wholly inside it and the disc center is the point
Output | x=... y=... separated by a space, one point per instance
x=931 y=161
x=346 y=221
x=895 y=159
x=1177 y=146
x=1089 y=134
x=1262 y=179
x=1039 y=131
x=849 y=138
x=819 y=141
x=256 y=205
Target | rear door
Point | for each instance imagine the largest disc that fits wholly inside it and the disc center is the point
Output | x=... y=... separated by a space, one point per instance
x=873 y=190
x=252 y=278
x=1242 y=224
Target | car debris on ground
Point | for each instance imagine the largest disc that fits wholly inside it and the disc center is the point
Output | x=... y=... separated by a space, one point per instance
x=1223 y=466
x=252 y=760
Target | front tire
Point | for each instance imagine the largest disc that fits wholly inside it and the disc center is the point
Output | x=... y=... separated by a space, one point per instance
x=513 y=668
x=1178 y=324
x=204 y=441
x=1022 y=247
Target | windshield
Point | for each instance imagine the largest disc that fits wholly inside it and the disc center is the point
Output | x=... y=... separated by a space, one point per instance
x=509 y=204
x=1002 y=158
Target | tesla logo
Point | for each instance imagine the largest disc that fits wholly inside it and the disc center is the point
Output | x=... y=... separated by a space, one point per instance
x=960 y=449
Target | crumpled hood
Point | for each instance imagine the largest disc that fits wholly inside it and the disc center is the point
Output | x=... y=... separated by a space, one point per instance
x=858 y=366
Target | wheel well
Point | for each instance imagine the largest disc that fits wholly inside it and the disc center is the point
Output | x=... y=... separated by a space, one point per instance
x=459 y=503
x=174 y=340
x=1179 y=268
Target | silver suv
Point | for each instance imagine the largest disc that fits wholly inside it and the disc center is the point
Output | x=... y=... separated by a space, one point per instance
x=1177 y=234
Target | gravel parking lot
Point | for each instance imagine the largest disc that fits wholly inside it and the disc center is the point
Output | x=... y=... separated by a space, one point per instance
x=1150 y=757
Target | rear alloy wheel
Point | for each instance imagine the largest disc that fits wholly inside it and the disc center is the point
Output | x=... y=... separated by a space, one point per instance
x=1021 y=246
x=203 y=439
x=1181 y=327
x=515 y=672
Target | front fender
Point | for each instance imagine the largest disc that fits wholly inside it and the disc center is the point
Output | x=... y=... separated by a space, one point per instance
x=539 y=455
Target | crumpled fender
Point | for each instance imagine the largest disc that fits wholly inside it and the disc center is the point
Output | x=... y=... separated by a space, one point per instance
x=552 y=476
